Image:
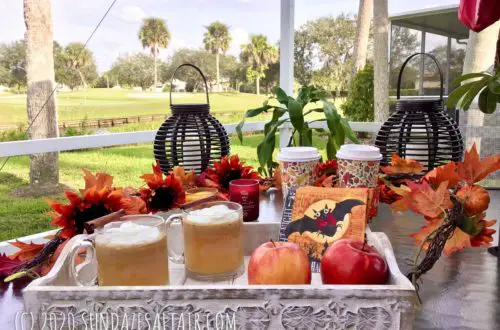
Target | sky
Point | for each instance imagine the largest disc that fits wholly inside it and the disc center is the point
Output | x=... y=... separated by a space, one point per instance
x=74 y=20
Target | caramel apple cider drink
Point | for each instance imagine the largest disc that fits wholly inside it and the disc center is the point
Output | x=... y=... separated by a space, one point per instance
x=213 y=240
x=131 y=252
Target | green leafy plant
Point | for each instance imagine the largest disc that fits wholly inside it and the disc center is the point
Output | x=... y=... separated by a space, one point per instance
x=485 y=84
x=338 y=127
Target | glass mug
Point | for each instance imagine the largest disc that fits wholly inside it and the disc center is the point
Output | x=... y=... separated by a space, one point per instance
x=213 y=240
x=125 y=253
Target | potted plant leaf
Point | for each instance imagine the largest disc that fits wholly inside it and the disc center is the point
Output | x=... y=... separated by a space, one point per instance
x=484 y=84
x=301 y=119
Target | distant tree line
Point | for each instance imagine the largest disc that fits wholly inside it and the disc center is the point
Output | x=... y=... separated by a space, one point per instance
x=323 y=57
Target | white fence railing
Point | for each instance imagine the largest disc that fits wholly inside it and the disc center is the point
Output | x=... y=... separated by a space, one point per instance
x=28 y=147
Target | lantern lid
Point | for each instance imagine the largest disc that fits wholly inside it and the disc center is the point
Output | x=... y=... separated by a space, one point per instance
x=419 y=105
x=189 y=108
x=425 y=99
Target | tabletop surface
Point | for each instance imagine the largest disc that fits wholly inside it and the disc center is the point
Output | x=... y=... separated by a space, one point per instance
x=461 y=291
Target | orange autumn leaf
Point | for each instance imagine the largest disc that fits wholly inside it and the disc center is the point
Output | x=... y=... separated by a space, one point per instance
x=188 y=179
x=401 y=190
x=426 y=201
x=473 y=169
x=99 y=181
x=8 y=266
x=399 y=205
x=443 y=173
x=403 y=166
x=456 y=242
x=27 y=250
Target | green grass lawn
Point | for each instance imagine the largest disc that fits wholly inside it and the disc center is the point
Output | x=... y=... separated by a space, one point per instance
x=107 y=103
x=111 y=103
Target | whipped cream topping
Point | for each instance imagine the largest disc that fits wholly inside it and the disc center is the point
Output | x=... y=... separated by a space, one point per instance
x=213 y=214
x=128 y=233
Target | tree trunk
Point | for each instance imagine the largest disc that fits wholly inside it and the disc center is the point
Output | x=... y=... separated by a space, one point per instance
x=479 y=56
x=381 y=62
x=217 y=70
x=82 y=78
x=155 y=73
x=257 y=85
x=365 y=13
x=41 y=103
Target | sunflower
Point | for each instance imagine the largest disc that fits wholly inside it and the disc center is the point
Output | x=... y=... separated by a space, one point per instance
x=225 y=171
x=97 y=199
x=162 y=193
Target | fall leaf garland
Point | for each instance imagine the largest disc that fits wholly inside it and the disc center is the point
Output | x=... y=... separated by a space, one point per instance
x=449 y=199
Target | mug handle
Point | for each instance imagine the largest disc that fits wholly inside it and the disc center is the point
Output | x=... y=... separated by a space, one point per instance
x=174 y=257
x=75 y=270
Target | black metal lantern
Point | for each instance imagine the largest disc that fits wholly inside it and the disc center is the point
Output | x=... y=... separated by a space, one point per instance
x=420 y=129
x=191 y=137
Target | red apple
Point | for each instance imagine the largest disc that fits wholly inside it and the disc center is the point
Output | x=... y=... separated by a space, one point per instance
x=279 y=263
x=352 y=262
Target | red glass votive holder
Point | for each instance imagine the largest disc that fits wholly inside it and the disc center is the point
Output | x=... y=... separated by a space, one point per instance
x=246 y=193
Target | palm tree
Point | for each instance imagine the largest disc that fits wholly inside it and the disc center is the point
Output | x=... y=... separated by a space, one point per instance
x=365 y=13
x=41 y=103
x=258 y=54
x=217 y=41
x=154 y=35
x=381 y=62
x=77 y=57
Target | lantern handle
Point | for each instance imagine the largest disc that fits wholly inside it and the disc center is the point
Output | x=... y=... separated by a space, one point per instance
x=197 y=69
x=403 y=67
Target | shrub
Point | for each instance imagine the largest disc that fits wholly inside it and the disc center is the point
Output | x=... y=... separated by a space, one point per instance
x=71 y=131
x=359 y=104
x=14 y=134
x=20 y=89
x=76 y=131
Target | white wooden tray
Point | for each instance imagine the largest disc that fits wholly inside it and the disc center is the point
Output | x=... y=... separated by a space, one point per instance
x=233 y=304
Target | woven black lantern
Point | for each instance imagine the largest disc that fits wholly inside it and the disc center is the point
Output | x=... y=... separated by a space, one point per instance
x=420 y=129
x=191 y=137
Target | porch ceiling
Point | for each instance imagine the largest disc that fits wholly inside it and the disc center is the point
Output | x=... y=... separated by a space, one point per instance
x=441 y=20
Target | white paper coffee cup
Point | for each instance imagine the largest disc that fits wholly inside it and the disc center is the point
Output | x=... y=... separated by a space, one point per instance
x=299 y=167
x=358 y=165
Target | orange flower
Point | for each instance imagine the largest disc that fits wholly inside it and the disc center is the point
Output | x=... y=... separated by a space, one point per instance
x=485 y=236
x=98 y=199
x=225 y=171
x=162 y=193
